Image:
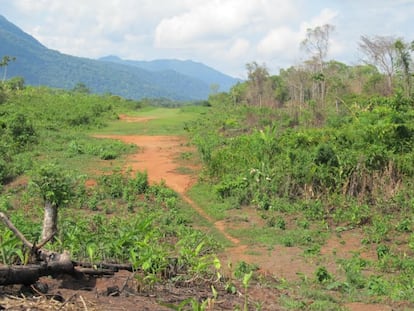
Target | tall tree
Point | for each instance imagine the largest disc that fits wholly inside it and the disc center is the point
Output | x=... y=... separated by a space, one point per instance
x=405 y=64
x=337 y=82
x=380 y=51
x=238 y=93
x=4 y=63
x=297 y=80
x=316 y=44
x=259 y=84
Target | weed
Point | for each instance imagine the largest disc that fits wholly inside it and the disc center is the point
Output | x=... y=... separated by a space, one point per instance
x=9 y=246
x=405 y=225
x=353 y=271
x=292 y=303
x=377 y=285
x=313 y=250
x=322 y=275
x=280 y=223
x=186 y=155
x=246 y=281
x=5 y=203
x=243 y=268
x=303 y=224
x=382 y=251
x=378 y=231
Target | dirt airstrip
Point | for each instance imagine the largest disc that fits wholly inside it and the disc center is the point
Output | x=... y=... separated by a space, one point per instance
x=158 y=156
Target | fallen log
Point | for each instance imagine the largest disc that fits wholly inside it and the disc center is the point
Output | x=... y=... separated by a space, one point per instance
x=105 y=266
x=25 y=275
x=48 y=263
x=30 y=274
x=54 y=265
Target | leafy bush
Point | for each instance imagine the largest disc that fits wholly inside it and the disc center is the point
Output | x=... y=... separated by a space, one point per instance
x=139 y=183
x=113 y=184
x=21 y=130
x=356 y=157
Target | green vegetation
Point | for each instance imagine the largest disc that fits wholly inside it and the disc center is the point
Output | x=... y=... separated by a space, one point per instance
x=354 y=171
x=49 y=159
x=314 y=155
x=293 y=161
x=161 y=121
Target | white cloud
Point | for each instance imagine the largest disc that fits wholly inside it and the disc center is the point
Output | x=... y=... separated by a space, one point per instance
x=279 y=40
x=224 y=34
x=326 y=16
x=212 y=19
x=221 y=19
x=238 y=48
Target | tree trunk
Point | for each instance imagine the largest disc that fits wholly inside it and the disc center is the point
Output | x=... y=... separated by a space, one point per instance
x=49 y=221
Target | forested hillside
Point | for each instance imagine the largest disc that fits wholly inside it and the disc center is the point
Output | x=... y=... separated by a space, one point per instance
x=209 y=76
x=39 y=65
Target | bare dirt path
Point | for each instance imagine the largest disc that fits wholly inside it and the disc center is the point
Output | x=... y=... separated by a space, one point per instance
x=158 y=156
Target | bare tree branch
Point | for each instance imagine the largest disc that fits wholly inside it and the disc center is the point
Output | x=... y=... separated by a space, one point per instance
x=380 y=52
x=16 y=231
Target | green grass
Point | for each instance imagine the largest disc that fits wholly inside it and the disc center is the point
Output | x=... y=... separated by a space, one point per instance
x=303 y=225
x=183 y=170
x=166 y=121
x=309 y=240
x=204 y=196
x=80 y=152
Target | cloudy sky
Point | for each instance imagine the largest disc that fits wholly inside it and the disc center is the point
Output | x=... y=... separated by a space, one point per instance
x=224 y=34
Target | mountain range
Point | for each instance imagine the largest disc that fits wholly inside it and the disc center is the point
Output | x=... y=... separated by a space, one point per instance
x=133 y=79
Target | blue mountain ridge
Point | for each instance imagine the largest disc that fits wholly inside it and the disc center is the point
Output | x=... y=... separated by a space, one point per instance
x=171 y=79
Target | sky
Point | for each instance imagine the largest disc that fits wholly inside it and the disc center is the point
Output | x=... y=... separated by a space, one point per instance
x=223 y=34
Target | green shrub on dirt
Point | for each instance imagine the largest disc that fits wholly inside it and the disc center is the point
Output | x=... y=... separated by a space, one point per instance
x=365 y=157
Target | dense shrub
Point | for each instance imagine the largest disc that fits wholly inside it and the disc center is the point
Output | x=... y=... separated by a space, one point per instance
x=355 y=155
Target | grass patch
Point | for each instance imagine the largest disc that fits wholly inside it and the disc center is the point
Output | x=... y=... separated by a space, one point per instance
x=204 y=196
x=183 y=170
x=83 y=153
x=164 y=121
x=309 y=240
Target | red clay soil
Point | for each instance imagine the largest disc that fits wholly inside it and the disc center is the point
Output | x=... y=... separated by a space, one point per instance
x=127 y=118
x=156 y=155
